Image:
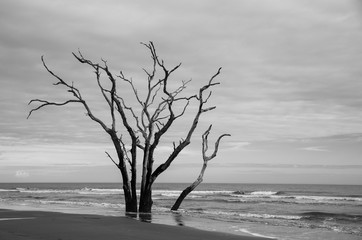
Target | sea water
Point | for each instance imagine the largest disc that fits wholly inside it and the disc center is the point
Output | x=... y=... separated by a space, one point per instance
x=278 y=211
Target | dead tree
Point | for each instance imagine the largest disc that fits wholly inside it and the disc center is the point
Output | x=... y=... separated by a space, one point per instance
x=144 y=128
x=206 y=159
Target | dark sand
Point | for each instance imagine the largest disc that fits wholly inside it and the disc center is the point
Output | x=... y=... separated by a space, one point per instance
x=60 y=226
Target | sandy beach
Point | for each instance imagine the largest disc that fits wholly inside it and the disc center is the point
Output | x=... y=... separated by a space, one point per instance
x=36 y=225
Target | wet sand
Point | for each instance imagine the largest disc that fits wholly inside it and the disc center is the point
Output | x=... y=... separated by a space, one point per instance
x=36 y=225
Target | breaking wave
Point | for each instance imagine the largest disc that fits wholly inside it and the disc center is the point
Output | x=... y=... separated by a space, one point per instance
x=322 y=216
x=8 y=190
x=101 y=191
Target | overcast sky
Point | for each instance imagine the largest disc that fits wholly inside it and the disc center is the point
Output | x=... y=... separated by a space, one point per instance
x=290 y=93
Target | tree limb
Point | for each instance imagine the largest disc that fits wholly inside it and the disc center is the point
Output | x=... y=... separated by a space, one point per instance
x=161 y=168
x=206 y=159
x=112 y=159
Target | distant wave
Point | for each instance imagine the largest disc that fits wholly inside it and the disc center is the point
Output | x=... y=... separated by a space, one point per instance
x=255 y=215
x=166 y=193
x=239 y=192
x=331 y=216
x=8 y=190
x=270 y=216
x=266 y=193
x=70 y=191
x=76 y=203
x=101 y=191
x=222 y=193
x=280 y=196
x=329 y=198
x=39 y=191
x=193 y=194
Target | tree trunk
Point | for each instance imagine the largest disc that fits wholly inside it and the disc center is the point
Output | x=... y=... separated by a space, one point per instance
x=130 y=201
x=146 y=200
x=131 y=205
x=184 y=194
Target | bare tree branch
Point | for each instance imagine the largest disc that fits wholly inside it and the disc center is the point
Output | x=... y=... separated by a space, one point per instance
x=123 y=145
x=182 y=144
x=205 y=144
x=112 y=159
x=206 y=159
x=76 y=94
x=46 y=103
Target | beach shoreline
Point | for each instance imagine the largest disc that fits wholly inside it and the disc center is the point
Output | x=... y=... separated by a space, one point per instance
x=282 y=212
x=35 y=225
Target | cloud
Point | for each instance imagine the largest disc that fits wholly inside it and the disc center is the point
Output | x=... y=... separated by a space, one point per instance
x=315 y=149
x=289 y=166
x=236 y=145
x=240 y=144
x=22 y=174
x=352 y=137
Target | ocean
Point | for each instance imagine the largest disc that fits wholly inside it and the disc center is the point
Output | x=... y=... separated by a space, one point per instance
x=281 y=211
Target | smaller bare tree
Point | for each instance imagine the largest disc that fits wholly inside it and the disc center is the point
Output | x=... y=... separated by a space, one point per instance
x=205 y=147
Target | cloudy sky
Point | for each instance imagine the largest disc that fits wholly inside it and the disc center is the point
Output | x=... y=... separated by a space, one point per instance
x=290 y=93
